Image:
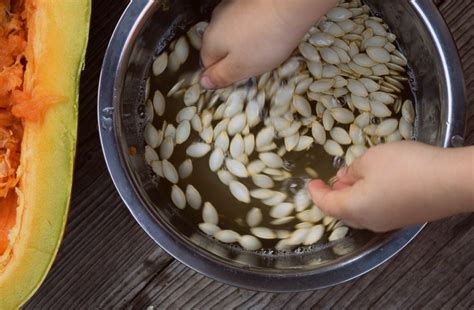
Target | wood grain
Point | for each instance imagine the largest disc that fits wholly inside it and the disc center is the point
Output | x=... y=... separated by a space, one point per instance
x=107 y=261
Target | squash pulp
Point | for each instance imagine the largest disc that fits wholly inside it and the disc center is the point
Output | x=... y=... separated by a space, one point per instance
x=44 y=107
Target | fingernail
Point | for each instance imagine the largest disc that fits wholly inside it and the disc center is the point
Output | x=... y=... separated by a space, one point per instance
x=341 y=172
x=339 y=185
x=207 y=83
x=316 y=184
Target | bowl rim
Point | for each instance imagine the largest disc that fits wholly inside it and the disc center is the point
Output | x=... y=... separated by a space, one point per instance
x=109 y=94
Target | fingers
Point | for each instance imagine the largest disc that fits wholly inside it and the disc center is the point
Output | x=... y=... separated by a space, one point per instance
x=352 y=224
x=339 y=185
x=353 y=173
x=220 y=74
x=330 y=201
x=333 y=201
x=211 y=53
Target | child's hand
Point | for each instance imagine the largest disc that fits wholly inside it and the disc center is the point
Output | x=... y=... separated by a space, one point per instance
x=248 y=37
x=400 y=184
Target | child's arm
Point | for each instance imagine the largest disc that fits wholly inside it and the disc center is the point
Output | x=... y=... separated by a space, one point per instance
x=389 y=187
x=248 y=37
x=400 y=184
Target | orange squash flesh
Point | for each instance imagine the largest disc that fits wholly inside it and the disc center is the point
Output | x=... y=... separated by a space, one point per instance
x=42 y=49
x=12 y=49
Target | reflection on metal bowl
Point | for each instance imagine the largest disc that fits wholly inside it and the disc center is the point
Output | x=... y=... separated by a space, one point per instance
x=145 y=29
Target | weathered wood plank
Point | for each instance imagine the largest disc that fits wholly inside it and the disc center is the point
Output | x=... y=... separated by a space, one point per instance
x=458 y=16
x=421 y=274
x=107 y=261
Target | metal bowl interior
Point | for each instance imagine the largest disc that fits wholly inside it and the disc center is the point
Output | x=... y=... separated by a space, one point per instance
x=144 y=31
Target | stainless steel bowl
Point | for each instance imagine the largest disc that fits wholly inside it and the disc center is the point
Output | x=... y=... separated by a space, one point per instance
x=144 y=30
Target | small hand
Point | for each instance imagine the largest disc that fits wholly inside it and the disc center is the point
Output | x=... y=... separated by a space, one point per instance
x=399 y=184
x=248 y=37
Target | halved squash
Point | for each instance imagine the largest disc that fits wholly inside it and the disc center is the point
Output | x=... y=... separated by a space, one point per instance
x=42 y=108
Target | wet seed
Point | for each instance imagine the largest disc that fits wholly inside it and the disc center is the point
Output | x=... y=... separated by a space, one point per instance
x=208 y=228
x=298 y=236
x=264 y=137
x=182 y=132
x=209 y=214
x=378 y=54
x=277 y=198
x=239 y=191
x=159 y=103
x=197 y=150
x=263 y=181
x=222 y=141
x=318 y=132
x=249 y=144
x=302 y=106
x=225 y=177
x=356 y=134
x=322 y=85
x=216 y=159
x=160 y=64
x=181 y=50
x=170 y=172
x=340 y=136
x=357 y=88
x=237 y=124
x=263 y=232
x=309 y=51
x=379 y=109
x=157 y=167
x=237 y=146
x=255 y=167
x=282 y=210
x=312 y=215
x=304 y=143
x=151 y=155
x=249 y=243
x=271 y=160
x=151 y=135
x=236 y=168
x=386 y=127
x=328 y=120
x=178 y=197
x=408 y=112
x=342 y=115
x=192 y=94
x=315 y=234
x=193 y=197
x=186 y=114
x=333 y=148
x=338 y=233
x=185 y=169
x=254 y=217
x=405 y=128
x=227 y=236
x=303 y=225
x=291 y=142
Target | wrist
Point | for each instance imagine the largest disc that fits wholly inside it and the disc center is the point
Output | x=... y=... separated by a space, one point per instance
x=452 y=179
x=461 y=165
x=441 y=182
x=302 y=13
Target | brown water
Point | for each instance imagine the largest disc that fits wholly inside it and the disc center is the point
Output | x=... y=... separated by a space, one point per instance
x=232 y=212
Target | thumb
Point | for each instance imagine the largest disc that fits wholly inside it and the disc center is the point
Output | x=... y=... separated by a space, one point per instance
x=331 y=202
x=220 y=74
x=351 y=174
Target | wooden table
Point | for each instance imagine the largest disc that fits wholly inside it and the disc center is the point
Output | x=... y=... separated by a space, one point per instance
x=107 y=261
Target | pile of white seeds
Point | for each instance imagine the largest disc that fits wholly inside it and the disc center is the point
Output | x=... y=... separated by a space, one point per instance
x=341 y=90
